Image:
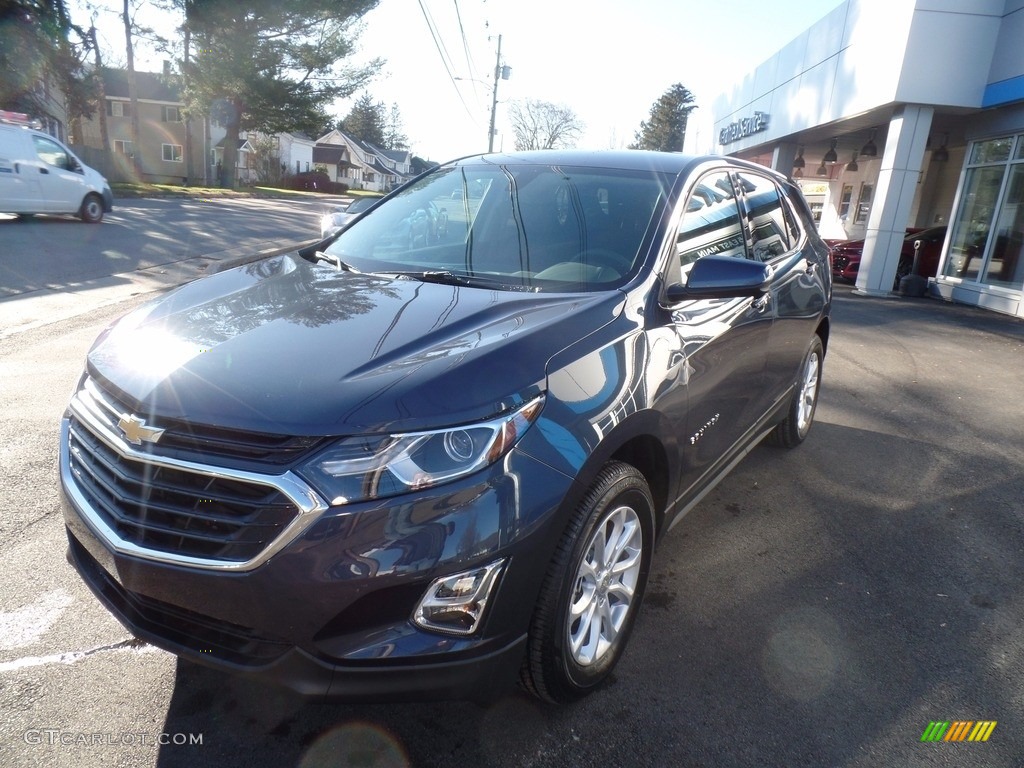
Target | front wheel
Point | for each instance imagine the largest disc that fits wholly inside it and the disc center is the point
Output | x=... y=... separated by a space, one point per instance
x=91 y=211
x=792 y=430
x=593 y=588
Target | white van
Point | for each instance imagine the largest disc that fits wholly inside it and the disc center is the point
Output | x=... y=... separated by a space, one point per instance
x=38 y=174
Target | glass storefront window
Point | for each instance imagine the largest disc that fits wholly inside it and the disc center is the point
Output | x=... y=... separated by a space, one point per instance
x=991 y=151
x=1005 y=265
x=987 y=240
x=973 y=222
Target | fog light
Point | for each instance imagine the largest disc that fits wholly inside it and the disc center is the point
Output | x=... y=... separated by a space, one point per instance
x=456 y=603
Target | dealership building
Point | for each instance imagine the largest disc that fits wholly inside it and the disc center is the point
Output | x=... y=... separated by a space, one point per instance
x=897 y=114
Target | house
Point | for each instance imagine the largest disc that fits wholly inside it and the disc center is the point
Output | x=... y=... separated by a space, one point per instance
x=167 y=151
x=360 y=164
x=175 y=150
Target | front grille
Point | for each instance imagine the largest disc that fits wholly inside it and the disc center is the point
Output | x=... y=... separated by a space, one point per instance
x=188 y=629
x=176 y=511
x=201 y=442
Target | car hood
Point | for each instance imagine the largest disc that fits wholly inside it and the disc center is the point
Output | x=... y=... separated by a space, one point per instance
x=288 y=347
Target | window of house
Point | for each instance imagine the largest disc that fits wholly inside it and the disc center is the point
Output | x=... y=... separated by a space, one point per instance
x=172 y=153
x=119 y=109
x=123 y=147
x=170 y=114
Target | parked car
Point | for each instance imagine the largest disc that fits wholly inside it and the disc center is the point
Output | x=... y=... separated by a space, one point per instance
x=376 y=468
x=38 y=174
x=340 y=216
x=846 y=255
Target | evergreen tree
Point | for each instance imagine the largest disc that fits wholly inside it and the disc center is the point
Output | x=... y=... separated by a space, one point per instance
x=666 y=128
x=394 y=136
x=271 y=66
x=40 y=46
x=366 y=121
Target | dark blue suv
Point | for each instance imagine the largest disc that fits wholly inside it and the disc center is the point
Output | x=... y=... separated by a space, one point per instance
x=391 y=466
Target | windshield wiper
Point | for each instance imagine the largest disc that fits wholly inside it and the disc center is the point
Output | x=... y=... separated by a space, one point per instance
x=436 y=276
x=330 y=258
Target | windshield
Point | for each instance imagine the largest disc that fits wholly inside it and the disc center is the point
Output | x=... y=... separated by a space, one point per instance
x=517 y=227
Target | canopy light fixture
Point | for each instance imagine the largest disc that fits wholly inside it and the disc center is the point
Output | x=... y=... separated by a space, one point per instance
x=822 y=170
x=831 y=156
x=799 y=161
x=852 y=165
x=869 y=149
x=941 y=154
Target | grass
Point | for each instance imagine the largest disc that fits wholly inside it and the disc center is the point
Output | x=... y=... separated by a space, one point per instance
x=123 y=190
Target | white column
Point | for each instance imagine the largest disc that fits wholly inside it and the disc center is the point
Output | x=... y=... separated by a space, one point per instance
x=902 y=165
x=783 y=156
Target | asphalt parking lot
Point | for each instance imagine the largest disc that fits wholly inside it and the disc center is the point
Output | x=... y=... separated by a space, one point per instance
x=820 y=608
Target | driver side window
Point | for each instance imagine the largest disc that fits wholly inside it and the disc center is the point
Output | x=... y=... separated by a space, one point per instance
x=711 y=224
x=51 y=153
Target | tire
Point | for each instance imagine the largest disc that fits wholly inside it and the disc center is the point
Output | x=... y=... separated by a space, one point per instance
x=902 y=270
x=589 y=601
x=792 y=430
x=91 y=211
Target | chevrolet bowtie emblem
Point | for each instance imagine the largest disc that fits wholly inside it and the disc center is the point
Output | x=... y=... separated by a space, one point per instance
x=135 y=430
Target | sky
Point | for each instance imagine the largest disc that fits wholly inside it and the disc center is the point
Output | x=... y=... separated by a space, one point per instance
x=607 y=61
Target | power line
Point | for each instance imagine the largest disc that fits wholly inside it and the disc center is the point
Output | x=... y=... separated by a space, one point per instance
x=442 y=52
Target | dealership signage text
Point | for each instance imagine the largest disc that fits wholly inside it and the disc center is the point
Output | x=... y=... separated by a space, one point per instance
x=743 y=128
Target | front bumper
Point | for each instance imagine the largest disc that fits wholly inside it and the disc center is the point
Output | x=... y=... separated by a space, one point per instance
x=329 y=615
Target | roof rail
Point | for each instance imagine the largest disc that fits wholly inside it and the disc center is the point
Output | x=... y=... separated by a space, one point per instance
x=19 y=118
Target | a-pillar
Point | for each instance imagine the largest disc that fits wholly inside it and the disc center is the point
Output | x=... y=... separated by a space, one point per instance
x=902 y=161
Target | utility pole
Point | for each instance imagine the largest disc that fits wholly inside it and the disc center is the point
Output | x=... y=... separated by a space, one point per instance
x=494 y=98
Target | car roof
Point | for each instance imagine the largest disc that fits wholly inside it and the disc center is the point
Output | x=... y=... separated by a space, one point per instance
x=631 y=159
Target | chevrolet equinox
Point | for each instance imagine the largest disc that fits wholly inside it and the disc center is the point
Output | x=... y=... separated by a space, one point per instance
x=420 y=461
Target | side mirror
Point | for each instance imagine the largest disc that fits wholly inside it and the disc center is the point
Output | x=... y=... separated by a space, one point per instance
x=721 y=277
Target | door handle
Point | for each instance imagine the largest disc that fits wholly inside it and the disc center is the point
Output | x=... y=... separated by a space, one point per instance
x=762 y=303
x=43 y=170
x=811 y=266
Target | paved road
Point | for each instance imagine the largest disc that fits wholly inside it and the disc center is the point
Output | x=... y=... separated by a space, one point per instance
x=820 y=608
x=67 y=267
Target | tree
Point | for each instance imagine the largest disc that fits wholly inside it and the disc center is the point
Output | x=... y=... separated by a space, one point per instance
x=133 y=90
x=543 y=125
x=666 y=128
x=271 y=66
x=40 y=46
x=366 y=121
x=394 y=136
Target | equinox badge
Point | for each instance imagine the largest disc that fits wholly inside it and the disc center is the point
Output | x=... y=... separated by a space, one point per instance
x=135 y=430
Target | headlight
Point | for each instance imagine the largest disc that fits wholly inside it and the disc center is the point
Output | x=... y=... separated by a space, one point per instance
x=375 y=466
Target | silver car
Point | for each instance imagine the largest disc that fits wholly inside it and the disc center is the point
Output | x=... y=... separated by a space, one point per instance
x=341 y=216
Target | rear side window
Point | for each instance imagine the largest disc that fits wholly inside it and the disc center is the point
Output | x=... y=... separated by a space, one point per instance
x=771 y=229
x=711 y=223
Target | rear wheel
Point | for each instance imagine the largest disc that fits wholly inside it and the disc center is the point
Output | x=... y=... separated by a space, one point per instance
x=794 y=428
x=91 y=211
x=593 y=588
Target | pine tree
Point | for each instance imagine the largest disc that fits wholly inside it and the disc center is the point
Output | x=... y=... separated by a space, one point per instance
x=666 y=129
